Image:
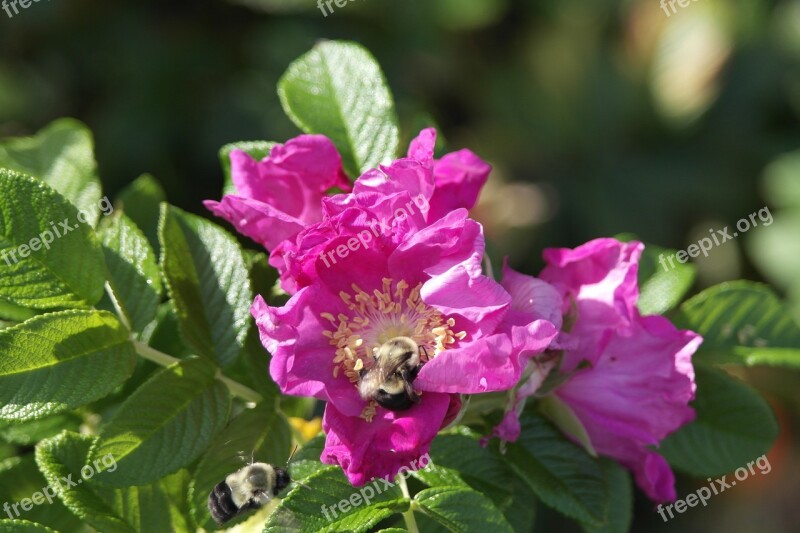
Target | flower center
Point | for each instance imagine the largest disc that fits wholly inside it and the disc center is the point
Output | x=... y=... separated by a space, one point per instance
x=376 y=318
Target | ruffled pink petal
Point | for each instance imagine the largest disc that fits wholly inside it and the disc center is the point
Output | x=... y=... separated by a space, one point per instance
x=261 y=222
x=421 y=147
x=292 y=174
x=391 y=441
x=640 y=386
x=302 y=358
x=281 y=194
x=598 y=281
x=478 y=304
x=532 y=297
x=450 y=241
x=488 y=364
x=459 y=178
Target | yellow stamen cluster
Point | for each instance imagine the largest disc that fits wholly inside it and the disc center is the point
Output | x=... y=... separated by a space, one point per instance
x=378 y=317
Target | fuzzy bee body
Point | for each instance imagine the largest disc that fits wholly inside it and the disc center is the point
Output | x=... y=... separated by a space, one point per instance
x=389 y=379
x=250 y=487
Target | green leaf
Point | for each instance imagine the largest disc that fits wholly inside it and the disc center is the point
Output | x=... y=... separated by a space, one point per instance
x=734 y=425
x=565 y=419
x=458 y=459
x=23 y=526
x=134 y=275
x=28 y=433
x=179 y=411
x=164 y=333
x=208 y=281
x=662 y=287
x=337 y=89
x=262 y=434
x=176 y=488
x=61 y=155
x=461 y=509
x=14 y=312
x=258 y=150
x=68 y=270
x=561 y=473
x=20 y=480
x=304 y=508
x=56 y=362
x=742 y=323
x=64 y=458
x=141 y=202
x=620 y=510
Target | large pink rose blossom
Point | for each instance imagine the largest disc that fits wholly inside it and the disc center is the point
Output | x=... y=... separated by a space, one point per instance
x=379 y=265
x=636 y=377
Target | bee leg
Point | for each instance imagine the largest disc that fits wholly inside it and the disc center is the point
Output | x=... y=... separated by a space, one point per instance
x=407 y=379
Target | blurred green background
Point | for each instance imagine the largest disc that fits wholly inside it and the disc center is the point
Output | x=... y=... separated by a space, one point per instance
x=599 y=116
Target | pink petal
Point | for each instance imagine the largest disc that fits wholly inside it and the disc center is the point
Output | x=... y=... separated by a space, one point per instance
x=391 y=441
x=459 y=177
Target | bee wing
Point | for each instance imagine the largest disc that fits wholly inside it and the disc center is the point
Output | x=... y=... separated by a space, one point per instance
x=386 y=366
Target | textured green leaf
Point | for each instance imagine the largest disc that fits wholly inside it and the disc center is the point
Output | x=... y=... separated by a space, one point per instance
x=459 y=460
x=129 y=510
x=66 y=272
x=14 y=312
x=561 y=473
x=133 y=270
x=461 y=509
x=23 y=526
x=176 y=488
x=734 y=425
x=28 y=433
x=20 y=480
x=337 y=89
x=261 y=434
x=165 y=425
x=61 y=155
x=258 y=150
x=164 y=333
x=59 y=361
x=302 y=509
x=744 y=323
x=141 y=202
x=208 y=281
x=662 y=286
x=620 y=509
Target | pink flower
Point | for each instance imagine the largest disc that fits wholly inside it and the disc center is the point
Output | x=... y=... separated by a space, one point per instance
x=418 y=278
x=639 y=379
x=282 y=194
x=282 y=201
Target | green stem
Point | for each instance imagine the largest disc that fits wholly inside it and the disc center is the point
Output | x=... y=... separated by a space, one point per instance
x=408 y=516
x=160 y=358
x=117 y=307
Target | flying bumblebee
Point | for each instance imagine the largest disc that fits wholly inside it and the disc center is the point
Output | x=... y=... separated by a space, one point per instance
x=250 y=487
